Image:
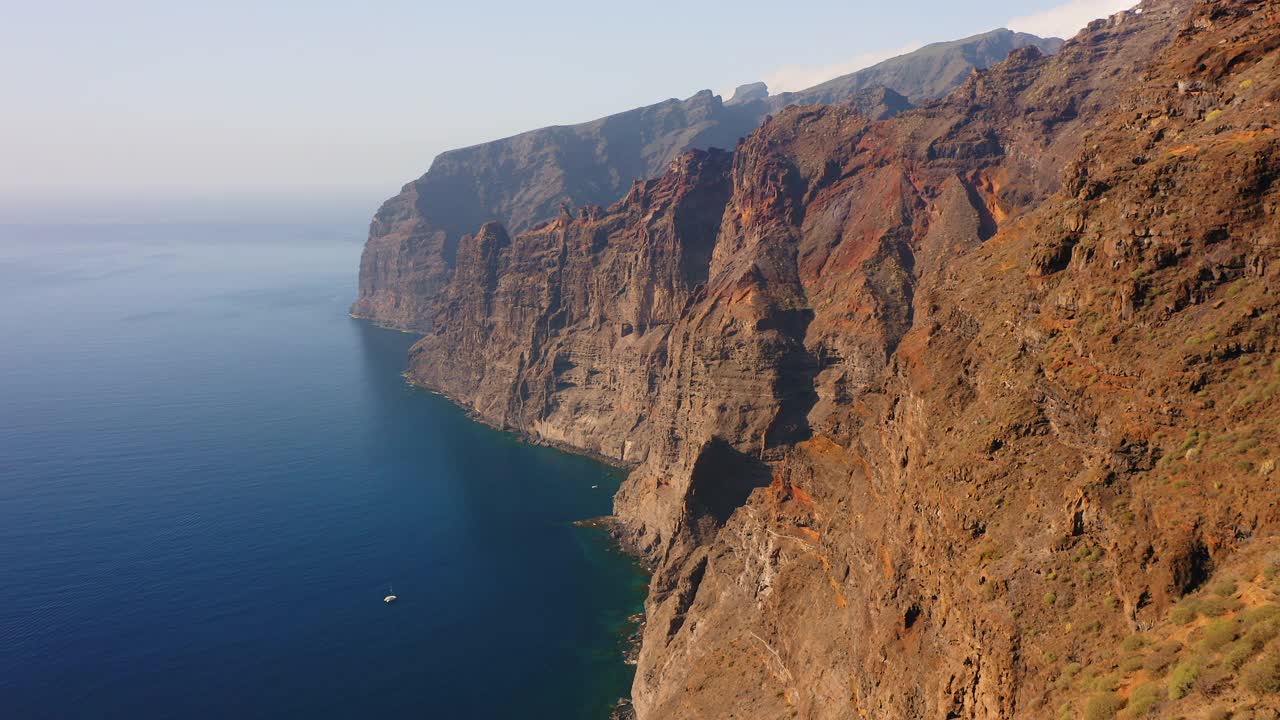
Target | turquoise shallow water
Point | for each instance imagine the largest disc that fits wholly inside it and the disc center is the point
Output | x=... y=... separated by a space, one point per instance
x=209 y=476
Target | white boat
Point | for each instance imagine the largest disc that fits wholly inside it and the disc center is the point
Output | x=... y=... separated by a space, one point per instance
x=391 y=595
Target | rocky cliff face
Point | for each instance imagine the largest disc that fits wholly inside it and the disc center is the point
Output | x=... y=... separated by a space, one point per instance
x=934 y=416
x=965 y=456
x=926 y=74
x=520 y=181
x=523 y=180
x=559 y=331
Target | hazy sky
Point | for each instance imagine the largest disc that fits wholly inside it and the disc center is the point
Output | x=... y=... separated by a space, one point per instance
x=287 y=110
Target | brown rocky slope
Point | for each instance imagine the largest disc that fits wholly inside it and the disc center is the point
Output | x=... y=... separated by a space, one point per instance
x=936 y=416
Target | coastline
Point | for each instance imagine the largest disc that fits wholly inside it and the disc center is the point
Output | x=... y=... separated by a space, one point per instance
x=523 y=435
x=616 y=538
x=631 y=633
x=616 y=534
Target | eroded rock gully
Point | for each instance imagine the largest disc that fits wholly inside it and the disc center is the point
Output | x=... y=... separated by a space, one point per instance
x=921 y=409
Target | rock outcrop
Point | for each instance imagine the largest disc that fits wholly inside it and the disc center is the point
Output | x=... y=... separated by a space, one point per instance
x=927 y=413
x=523 y=180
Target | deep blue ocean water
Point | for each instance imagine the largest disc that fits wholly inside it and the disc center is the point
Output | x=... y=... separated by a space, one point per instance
x=210 y=475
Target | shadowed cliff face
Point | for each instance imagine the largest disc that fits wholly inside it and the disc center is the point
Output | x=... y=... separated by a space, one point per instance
x=523 y=180
x=561 y=331
x=924 y=410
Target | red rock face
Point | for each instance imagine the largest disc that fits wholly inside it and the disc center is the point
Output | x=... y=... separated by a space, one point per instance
x=922 y=409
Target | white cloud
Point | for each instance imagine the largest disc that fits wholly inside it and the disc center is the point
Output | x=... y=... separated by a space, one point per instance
x=1069 y=18
x=799 y=77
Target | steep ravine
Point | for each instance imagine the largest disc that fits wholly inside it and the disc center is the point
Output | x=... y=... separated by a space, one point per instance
x=927 y=411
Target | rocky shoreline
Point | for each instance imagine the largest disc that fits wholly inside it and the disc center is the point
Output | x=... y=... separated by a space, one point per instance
x=524 y=436
x=633 y=631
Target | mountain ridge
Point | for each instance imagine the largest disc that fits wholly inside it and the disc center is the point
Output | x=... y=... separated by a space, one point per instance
x=523 y=179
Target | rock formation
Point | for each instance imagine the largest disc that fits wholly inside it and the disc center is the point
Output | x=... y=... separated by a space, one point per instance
x=523 y=180
x=938 y=415
x=925 y=74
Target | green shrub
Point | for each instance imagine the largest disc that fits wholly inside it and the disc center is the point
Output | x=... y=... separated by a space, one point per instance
x=1219 y=606
x=1105 y=683
x=1161 y=658
x=1144 y=699
x=1246 y=445
x=1262 y=633
x=1134 y=642
x=1182 y=679
x=1238 y=653
x=1050 y=598
x=1212 y=607
x=1069 y=671
x=1262 y=614
x=1184 y=614
x=1219 y=633
x=1262 y=676
x=1111 y=602
x=1131 y=664
x=1102 y=707
x=1225 y=589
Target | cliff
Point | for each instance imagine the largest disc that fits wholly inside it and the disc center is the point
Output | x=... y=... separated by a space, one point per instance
x=559 y=331
x=951 y=426
x=969 y=412
x=523 y=180
x=925 y=74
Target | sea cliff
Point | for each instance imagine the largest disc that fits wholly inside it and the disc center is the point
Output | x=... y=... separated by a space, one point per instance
x=927 y=408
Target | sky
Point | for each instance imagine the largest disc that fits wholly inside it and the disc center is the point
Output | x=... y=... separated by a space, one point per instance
x=132 y=111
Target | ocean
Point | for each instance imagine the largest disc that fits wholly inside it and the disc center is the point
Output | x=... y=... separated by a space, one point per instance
x=210 y=476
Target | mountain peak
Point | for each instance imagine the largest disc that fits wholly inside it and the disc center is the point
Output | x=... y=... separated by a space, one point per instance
x=748 y=93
